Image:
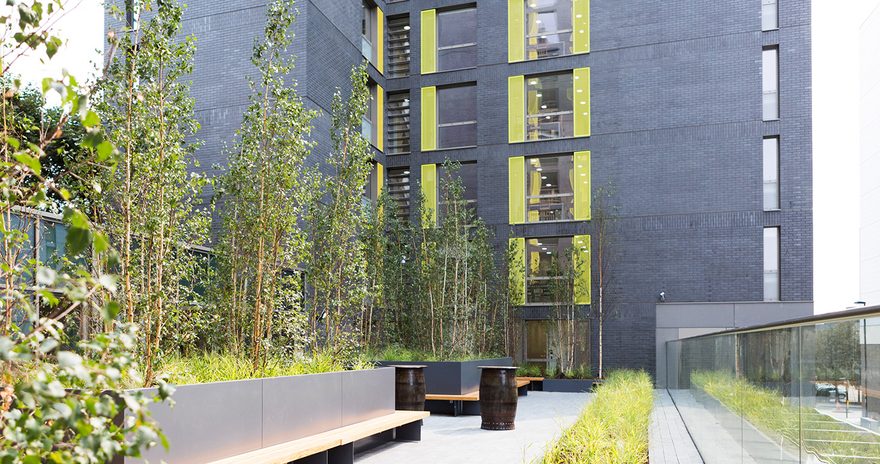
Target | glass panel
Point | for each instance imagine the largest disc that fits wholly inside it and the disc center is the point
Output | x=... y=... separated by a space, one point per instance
x=397 y=139
x=770 y=82
x=548 y=28
x=771 y=264
x=457 y=116
x=769 y=15
x=457 y=39
x=367 y=31
x=547 y=265
x=771 y=173
x=398 y=47
x=467 y=175
x=549 y=106
x=549 y=188
x=53 y=237
x=536 y=341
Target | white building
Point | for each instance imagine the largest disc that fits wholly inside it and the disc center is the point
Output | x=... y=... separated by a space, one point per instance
x=870 y=160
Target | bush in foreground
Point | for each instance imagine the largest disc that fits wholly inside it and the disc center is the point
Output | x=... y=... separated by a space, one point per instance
x=613 y=428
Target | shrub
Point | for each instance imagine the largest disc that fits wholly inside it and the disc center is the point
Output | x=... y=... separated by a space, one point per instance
x=613 y=428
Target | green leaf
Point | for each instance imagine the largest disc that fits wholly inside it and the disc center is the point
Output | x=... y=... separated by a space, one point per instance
x=32 y=162
x=111 y=310
x=78 y=239
x=105 y=149
x=13 y=142
x=91 y=119
x=52 y=46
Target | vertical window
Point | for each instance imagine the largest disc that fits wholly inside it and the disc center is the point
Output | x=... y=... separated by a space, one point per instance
x=398 y=190
x=549 y=106
x=536 y=341
x=367 y=27
x=456 y=39
x=771 y=173
x=550 y=188
x=548 y=28
x=398 y=124
x=467 y=175
x=547 y=260
x=769 y=15
x=398 y=47
x=771 y=264
x=770 y=71
x=371 y=187
x=369 y=118
x=457 y=116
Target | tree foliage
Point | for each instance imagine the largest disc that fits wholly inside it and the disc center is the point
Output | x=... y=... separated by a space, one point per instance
x=41 y=421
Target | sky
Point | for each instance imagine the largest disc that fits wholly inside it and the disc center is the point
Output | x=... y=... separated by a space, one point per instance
x=835 y=130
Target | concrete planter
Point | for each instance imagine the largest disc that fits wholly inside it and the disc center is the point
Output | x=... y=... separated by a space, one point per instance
x=568 y=385
x=216 y=420
x=452 y=377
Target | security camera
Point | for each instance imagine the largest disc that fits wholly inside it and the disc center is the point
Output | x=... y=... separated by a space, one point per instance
x=662 y=297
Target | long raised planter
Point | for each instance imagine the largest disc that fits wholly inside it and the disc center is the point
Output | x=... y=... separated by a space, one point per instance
x=568 y=385
x=216 y=420
x=452 y=377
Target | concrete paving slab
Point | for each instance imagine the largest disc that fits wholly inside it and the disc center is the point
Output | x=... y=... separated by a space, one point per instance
x=540 y=419
x=668 y=439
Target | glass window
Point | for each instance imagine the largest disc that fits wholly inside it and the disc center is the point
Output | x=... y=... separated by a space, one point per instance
x=771 y=264
x=398 y=189
x=770 y=70
x=536 y=341
x=397 y=139
x=769 y=15
x=457 y=116
x=548 y=28
x=370 y=116
x=549 y=107
x=367 y=30
x=457 y=39
x=398 y=47
x=467 y=174
x=549 y=188
x=771 y=173
x=53 y=239
x=546 y=265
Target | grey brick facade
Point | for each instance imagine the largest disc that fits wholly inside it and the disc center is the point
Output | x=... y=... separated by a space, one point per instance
x=676 y=129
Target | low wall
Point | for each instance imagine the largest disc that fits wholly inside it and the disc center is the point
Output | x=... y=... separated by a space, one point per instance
x=453 y=377
x=216 y=420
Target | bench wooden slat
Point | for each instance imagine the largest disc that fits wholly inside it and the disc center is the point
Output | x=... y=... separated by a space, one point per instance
x=296 y=449
x=532 y=379
x=472 y=396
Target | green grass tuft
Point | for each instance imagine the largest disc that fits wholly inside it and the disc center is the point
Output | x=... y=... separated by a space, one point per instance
x=613 y=428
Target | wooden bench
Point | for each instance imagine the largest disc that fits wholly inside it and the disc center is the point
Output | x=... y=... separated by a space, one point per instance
x=468 y=403
x=335 y=446
x=535 y=383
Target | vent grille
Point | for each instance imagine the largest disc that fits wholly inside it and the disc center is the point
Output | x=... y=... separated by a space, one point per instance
x=397 y=141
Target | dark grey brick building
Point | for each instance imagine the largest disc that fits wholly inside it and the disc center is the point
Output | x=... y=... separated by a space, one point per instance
x=710 y=163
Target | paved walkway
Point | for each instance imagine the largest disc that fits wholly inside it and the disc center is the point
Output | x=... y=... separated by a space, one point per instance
x=540 y=417
x=668 y=439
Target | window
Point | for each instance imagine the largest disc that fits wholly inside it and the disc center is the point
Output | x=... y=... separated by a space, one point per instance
x=769 y=15
x=549 y=188
x=398 y=190
x=371 y=188
x=367 y=30
x=398 y=124
x=771 y=173
x=536 y=341
x=548 y=28
x=398 y=47
x=547 y=259
x=549 y=106
x=457 y=116
x=369 y=118
x=467 y=174
x=770 y=70
x=456 y=39
x=771 y=264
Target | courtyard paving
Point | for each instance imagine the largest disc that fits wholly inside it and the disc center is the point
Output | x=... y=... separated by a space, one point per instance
x=540 y=418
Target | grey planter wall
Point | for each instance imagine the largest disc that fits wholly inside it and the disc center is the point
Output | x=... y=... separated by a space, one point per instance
x=216 y=420
x=568 y=385
x=453 y=377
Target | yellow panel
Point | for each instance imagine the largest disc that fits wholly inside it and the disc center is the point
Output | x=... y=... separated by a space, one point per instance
x=582 y=193
x=582 y=102
x=429 y=118
x=516 y=117
x=516 y=189
x=516 y=271
x=429 y=193
x=532 y=31
x=428 y=52
x=581 y=25
x=380 y=184
x=380 y=41
x=582 y=263
x=380 y=117
x=515 y=30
